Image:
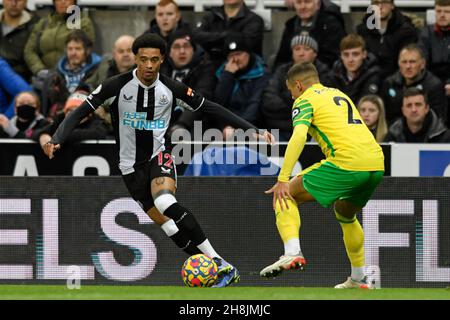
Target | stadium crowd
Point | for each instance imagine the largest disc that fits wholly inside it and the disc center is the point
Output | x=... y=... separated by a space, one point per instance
x=397 y=72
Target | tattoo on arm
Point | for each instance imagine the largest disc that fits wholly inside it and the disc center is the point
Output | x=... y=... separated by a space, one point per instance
x=159 y=181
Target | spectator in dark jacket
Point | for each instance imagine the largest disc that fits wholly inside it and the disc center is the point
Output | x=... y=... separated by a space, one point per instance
x=412 y=73
x=385 y=41
x=419 y=123
x=27 y=118
x=90 y=128
x=241 y=79
x=16 y=24
x=73 y=69
x=11 y=84
x=356 y=73
x=167 y=20
x=189 y=64
x=323 y=21
x=276 y=104
x=234 y=16
x=435 y=43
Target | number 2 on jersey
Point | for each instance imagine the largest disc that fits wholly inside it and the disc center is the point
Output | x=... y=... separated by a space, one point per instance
x=337 y=100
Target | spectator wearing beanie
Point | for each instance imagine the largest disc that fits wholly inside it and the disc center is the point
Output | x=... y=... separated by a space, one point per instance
x=187 y=62
x=277 y=101
x=90 y=128
x=241 y=79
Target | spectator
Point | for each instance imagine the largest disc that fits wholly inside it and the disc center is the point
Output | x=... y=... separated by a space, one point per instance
x=122 y=60
x=90 y=128
x=27 y=119
x=11 y=84
x=234 y=16
x=356 y=73
x=396 y=30
x=241 y=79
x=276 y=105
x=435 y=43
x=16 y=25
x=46 y=44
x=167 y=19
x=419 y=123
x=73 y=69
x=189 y=64
x=412 y=73
x=371 y=109
x=323 y=21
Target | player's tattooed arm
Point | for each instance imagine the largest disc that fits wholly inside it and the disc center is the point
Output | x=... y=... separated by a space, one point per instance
x=160 y=181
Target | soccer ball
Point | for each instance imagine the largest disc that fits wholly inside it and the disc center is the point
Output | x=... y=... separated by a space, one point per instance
x=199 y=271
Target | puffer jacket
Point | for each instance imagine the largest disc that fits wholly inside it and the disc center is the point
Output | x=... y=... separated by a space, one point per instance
x=47 y=42
x=11 y=84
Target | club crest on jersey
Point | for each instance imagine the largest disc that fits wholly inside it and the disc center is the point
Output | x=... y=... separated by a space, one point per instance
x=190 y=92
x=163 y=100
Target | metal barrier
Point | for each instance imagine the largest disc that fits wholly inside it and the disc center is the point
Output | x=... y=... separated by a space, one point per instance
x=199 y=5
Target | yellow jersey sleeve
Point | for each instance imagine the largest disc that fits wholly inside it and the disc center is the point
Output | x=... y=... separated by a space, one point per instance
x=302 y=113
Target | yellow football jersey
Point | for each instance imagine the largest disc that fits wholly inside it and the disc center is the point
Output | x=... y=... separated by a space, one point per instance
x=335 y=123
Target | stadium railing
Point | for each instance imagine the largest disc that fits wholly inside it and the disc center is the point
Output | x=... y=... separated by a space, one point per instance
x=199 y=5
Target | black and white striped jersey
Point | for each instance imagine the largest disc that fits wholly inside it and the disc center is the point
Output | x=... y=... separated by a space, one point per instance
x=141 y=114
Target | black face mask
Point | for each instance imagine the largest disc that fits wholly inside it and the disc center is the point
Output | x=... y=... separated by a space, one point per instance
x=26 y=112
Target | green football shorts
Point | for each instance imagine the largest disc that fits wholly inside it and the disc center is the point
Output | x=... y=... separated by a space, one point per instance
x=328 y=183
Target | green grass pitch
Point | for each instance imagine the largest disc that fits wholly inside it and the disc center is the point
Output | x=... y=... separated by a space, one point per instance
x=88 y=292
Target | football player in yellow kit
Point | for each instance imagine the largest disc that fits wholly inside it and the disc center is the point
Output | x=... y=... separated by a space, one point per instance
x=347 y=178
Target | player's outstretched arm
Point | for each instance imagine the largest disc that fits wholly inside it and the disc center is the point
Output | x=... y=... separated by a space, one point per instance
x=217 y=110
x=65 y=128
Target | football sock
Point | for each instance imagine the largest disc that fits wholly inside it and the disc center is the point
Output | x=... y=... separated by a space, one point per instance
x=353 y=241
x=288 y=224
x=186 y=222
x=207 y=249
x=357 y=273
x=179 y=238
